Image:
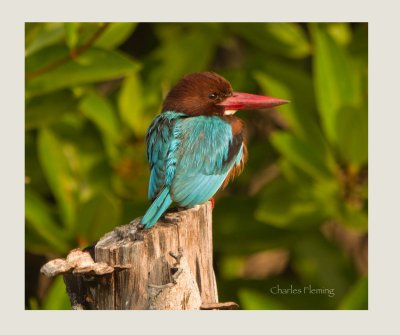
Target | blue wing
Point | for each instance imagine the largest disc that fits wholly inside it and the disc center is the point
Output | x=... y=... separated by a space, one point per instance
x=190 y=157
x=162 y=142
x=205 y=156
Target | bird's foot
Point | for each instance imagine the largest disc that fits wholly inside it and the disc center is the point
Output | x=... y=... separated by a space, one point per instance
x=135 y=232
x=172 y=215
x=170 y=218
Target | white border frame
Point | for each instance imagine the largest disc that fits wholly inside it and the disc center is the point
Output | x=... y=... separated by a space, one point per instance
x=384 y=167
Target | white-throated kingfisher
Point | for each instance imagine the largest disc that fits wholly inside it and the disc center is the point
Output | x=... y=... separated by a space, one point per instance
x=196 y=145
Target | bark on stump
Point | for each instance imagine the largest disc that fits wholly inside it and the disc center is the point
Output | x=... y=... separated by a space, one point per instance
x=167 y=267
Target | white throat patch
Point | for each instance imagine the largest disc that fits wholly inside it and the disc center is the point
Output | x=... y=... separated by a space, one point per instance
x=230 y=112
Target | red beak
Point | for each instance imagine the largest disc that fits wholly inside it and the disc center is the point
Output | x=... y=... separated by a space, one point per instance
x=240 y=100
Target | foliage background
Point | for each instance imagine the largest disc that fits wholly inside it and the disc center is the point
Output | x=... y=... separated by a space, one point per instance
x=296 y=216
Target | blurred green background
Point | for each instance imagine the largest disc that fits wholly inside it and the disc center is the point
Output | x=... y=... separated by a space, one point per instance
x=296 y=216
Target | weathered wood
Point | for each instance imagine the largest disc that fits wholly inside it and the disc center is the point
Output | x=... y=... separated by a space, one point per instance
x=181 y=292
x=167 y=267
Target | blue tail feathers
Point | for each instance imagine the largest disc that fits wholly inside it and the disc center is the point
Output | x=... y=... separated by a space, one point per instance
x=157 y=208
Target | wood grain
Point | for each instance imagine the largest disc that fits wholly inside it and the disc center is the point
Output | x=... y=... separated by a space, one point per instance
x=167 y=267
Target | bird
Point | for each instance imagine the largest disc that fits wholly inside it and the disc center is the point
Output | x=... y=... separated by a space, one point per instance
x=196 y=145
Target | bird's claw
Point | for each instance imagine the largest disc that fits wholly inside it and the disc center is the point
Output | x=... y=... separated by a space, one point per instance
x=135 y=232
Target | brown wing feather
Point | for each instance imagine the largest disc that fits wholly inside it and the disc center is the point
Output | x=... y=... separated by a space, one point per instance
x=237 y=168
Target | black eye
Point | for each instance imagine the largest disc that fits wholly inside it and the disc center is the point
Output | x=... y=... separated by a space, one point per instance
x=213 y=96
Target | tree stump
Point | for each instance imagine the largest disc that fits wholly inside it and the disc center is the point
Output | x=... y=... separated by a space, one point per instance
x=167 y=267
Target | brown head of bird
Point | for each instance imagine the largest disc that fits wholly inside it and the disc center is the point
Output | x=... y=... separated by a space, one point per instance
x=207 y=93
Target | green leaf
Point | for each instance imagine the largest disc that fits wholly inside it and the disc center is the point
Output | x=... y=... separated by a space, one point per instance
x=33 y=304
x=254 y=236
x=71 y=34
x=56 y=297
x=231 y=266
x=294 y=174
x=115 y=34
x=37 y=245
x=101 y=112
x=340 y=31
x=181 y=46
x=44 y=110
x=334 y=81
x=359 y=44
x=292 y=37
x=83 y=145
x=53 y=157
x=131 y=107
x=94 y=65
x=322 y=264
x=42 y=35
x=98 y=216
x=284 y=39
x=303 y=155
x=282 y=204
x=256 y=300
x=354 y=216
x=39 y=218
x=357 y=297
x=352 y=131
x=86 y=148
x=288 y=82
